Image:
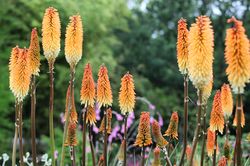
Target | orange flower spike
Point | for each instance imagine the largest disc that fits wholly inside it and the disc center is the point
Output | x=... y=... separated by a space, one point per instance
x=109 y=120
x=210 y=142
x=188 y=152
x=12 y=66
x=156 y=131
x=172 y=130
x=237 y=56
x=101 y=161
x=51 y=33
x=243 y=121
x=157 y=159
x=143 y=137
x=182 y=46
x=73 y=113
x=104 y=93
x=72 y=137
x=90 y=116
x=21 y=75
x=226 y=100
x=127 y=94
x=206 y=91
x=216 y=116
x=200 y=49
x=34 y=52
x=222 y=161
x=88 y=87
x=74 y=40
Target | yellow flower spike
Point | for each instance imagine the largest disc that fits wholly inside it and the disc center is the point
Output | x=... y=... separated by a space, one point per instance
x=172 y=130
x=90 y=115
x=242 y=119
x=157 y=157
x=12 y=65
x=127 y=94
x=109 y=120
x=237 y=56
x=104 y=94
x=156 y=131
x=73 y=113
x=210 y=142
x=74 y=40
x=71 y=137
x=182 y=46
x=51 y=33
x=200 y=49
x=21 y=75
x=226 y=100
x=222 y=161
x=206 y=91
x=88 y=87
x=216 y=116
x=143 y=137
x=34 y=52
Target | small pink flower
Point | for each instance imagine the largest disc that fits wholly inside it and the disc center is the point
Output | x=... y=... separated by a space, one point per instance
x=160 y=119
x=95 y=129
x=151 y=107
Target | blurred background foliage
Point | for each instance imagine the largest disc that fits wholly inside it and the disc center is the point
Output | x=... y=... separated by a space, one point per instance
x=126 y=35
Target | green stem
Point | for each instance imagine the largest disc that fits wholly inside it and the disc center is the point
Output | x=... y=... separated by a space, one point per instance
x=166 y=157
x=72 y=156
x=238 y=133
x=20 y=125
x=65 y=133
x=185 y=128
x=33 y=119
x=16 y=134
x=125 y=140
x=215 y=149
x=92 y=146
x=197 y=130
x=143 y=156
x=105 y=149
x=84 y=137
x=204 y=136
x=51 y=111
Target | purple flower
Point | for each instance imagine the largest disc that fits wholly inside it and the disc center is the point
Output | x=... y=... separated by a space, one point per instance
x=95 y=129
x=151 y=119
x=118 y=116
x=56 y=154
x=160 y=120
x=130 y=120
x=97 y=111
x=114 y=133
x=151 y=107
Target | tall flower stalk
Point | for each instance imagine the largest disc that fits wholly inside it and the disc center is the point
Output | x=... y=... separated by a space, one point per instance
x=216 y=121
x=34 y=55
x=104 y=99
x=51 y=33
x=143 y=137
x=88 y=99
x=182 y=58
x=206 y=94
x=20 y=74
x=227 y=105
x=127 y=104
x=238 y=70
x=200 y=62
x=73 y=53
